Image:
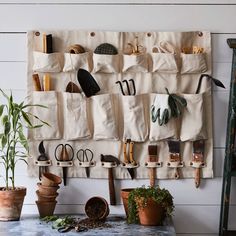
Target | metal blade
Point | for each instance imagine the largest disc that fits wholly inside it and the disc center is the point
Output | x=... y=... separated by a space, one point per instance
x=87 y=172
x=64 y=170
x=41 y=148
x=131 y=172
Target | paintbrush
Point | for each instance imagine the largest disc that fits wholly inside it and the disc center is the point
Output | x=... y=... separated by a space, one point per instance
x=174 y=150
x=198 y=159
x=152 y=151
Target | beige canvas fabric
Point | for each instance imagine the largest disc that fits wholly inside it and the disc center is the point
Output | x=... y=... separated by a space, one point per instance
x=75 y=117
x=193 y=63
x=49 y=114
x=164 y=62
x=135 y=63
x=169 y=130
x=104 y=118
x=135 y=121
x=106 y=63
x=44 y=62
x=73 y=62
x=147 y=83
x=193 y=120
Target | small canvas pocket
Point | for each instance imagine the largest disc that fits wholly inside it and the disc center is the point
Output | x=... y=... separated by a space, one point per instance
x=75 y=117
x=164 y=131
x=104 y=118
x=49 y=115
x=164 y=62
x=105 y=63
x=73 y=62
x=135 y=63
x=193 y=123
x=135 y=125
x=47 y=62
x=193 y=63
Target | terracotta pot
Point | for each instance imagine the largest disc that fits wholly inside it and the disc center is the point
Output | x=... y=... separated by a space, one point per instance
x=97 y=208
x=46 y=198
x=45 y=190
x=49 y=179
x=124 y=193
x=46 y=208
x=152 y=214
x=11 y=202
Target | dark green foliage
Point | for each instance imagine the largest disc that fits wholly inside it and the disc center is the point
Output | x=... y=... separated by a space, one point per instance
x=161 y=196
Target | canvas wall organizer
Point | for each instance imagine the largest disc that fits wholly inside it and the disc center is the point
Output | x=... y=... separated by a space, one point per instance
x=134 y=80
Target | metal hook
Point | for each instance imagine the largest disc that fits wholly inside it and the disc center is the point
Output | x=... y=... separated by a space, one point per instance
x=134 y=88
x=127 y=85
x=121 y=87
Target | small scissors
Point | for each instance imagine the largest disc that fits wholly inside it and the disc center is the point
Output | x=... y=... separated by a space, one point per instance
x=83 y=156
x=64 y=157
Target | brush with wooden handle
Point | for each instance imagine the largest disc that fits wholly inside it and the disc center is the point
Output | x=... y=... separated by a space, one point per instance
x=152 y=151
x=36 y=81
x=174 y=156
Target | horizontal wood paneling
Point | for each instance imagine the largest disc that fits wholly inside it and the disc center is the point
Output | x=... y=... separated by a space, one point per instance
x=108 y=17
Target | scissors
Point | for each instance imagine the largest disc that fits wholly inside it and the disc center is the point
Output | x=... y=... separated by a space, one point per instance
x=66 y=157
x=85 y=155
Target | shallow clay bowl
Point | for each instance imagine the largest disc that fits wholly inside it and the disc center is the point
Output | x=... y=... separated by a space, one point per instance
x=49 y=179
x=47 y=190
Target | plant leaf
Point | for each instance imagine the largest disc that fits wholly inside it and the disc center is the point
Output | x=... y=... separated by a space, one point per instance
x=4 y=119
x=26 y=118
x=3 y=141
x=1 y=109
x=7 y=128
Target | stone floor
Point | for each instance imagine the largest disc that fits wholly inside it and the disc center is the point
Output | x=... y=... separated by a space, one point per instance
x=32 y=226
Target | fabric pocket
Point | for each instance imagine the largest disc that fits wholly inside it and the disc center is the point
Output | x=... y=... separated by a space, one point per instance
x=47 y=62
x=164 y=62
x=73 y=62
x=193 y=63
x=75 y=117
x=165 y=131
x=105 y=63
x=135 y=125
x=104 y=118
x=135 y=63
x=49 y=115
x=193 y=122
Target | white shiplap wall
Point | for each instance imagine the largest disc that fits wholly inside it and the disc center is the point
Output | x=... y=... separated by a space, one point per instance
x=197 y=210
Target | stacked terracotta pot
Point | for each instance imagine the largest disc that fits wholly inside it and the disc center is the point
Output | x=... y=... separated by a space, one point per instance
x=47 y=194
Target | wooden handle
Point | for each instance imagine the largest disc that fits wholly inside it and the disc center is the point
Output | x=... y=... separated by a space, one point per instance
x=152 y=176
x=125 y=154
x=36 y=81
x=46 y=82
x=44 y=43
x=197 y=177
x=111 y=187
x=131 y=157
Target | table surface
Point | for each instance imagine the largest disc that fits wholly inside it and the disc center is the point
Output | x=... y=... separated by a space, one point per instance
x=31 y=225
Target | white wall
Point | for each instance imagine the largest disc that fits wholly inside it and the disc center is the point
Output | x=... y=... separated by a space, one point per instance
x=197 y=210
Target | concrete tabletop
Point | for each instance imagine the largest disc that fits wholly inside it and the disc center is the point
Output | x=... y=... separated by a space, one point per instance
x=31 y=225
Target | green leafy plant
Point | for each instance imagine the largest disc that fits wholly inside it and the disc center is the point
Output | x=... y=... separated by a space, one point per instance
x=14 y=117
x=140 y=196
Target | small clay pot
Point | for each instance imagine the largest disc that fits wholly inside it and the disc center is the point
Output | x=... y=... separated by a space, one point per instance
x=97 y=208
x=152 y=214
x=46 y=198
x=49 y=179
x=124 y=193
x=45 y=190
x=46 y=208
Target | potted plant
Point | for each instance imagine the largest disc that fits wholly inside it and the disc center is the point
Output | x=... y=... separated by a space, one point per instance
x=14 y=117
x=149 y=206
